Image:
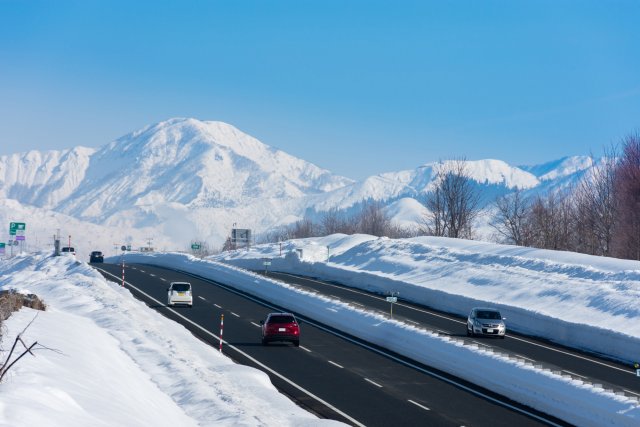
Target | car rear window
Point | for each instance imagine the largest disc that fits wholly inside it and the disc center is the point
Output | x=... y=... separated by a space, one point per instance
x=281 y=319
x=68 y=249
x=489 y=315
x=181 y=287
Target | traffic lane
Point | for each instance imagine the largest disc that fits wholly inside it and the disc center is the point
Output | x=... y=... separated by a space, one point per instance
x=341 y=390
x=344 y=393
x=352 y=382
x=569 y=360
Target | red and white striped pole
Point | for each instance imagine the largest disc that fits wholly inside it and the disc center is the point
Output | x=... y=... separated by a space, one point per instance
x=221 y=329
x=123 y=271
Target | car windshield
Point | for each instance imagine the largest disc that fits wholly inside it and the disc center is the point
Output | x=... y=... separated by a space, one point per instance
x=181 y=287
x=282 y=319
x=494 y=315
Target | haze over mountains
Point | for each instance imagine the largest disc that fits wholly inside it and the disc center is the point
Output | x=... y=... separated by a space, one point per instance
x=185 y=180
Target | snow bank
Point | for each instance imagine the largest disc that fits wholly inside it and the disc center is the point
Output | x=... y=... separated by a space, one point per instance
x=577 y=300
x=577 y=402
x=120 y=363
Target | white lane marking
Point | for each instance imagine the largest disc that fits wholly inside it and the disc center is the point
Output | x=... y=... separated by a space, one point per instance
x=142 y=271
x=255 y=324
x=378 y=351
x=237 y=315
x=464 y=322
x=373 y=382
x=421 y=406
x=257 y=362
x=335 y=364
x=412 y=321
x=305 y=349
x=443 y=332
x=573 y=373
x=152 y=275
x=632 y=392
x=163 y=279
x=525 y=357
x=201 y=298
x=357 y=303
x=217 y=305
x=479 y=343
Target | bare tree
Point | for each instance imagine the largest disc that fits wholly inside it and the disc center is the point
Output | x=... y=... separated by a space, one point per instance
x=595 y=208
x=333 y=222
x=373 y=219
x=512 y=219
x=454 y=202
x=627 y=183
x=302 y=229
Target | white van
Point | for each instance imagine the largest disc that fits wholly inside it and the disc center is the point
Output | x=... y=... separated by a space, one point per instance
x=179 y=293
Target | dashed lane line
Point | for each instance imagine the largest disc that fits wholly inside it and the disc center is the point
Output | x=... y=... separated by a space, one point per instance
x=419 y=405
x=373 y=382
x=246 y=355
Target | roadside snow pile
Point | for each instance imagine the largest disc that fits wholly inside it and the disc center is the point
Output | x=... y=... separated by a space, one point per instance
x=576 y=300
x=575 y=401
x=119 y=363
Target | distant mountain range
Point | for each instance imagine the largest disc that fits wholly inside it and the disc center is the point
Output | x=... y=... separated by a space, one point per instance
x=183 y=179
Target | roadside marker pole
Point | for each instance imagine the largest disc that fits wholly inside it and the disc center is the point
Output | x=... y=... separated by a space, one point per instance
x=221 y=329
x=123 y=271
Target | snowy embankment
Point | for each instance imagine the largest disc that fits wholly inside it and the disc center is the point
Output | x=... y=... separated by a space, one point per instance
x=575 y=401
x=119 y=363
x=580 y=301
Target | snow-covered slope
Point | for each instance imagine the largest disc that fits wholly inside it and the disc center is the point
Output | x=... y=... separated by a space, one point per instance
x=185 y=179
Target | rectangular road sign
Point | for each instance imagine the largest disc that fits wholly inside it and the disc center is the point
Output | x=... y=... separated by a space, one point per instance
x=17 y=228
x=392 y=299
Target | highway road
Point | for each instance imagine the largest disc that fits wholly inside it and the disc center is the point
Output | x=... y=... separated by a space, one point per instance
x=577 y=364
x=335 y=376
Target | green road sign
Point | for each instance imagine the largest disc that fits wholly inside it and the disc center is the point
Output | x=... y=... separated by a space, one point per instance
x=195 y=246
x=17 y=228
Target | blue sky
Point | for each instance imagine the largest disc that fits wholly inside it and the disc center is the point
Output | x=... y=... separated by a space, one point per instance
x=356 y=87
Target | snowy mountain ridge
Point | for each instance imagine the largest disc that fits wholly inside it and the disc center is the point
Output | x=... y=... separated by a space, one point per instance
x=190 y=179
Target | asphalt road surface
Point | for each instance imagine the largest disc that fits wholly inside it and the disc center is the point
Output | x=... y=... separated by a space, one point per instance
x=580 y=365
x=330 y=374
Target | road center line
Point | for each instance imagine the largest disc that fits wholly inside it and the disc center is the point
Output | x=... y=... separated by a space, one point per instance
x=419 y=405
x=335 y=364
x=373 y=382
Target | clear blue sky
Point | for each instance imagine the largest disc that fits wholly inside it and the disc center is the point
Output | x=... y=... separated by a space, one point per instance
x=358 y=88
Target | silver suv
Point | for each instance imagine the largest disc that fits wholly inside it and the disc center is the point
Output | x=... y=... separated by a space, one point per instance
x=486 y=321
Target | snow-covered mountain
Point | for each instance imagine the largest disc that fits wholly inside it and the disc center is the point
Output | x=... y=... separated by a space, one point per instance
x=183 y=179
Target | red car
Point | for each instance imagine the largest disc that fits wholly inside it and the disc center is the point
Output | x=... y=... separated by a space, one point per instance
x=280 y=327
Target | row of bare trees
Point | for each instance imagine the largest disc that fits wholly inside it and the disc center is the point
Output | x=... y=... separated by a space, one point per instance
x=370 y=218
x=598 y=216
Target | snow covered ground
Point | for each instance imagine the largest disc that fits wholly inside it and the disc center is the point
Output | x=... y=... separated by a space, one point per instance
x=119 y=363
x=581 y=301
x=210 y=392
x=572 y=399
